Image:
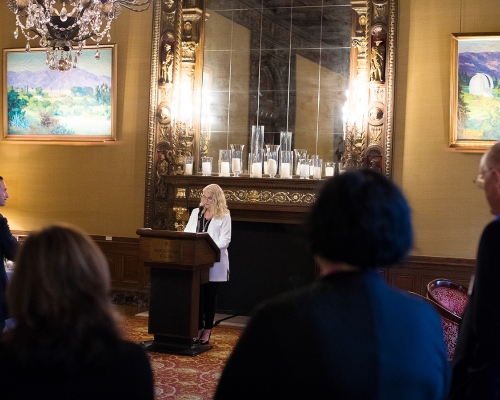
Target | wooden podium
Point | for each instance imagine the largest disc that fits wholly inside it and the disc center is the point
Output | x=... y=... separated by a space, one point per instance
x=180 y=262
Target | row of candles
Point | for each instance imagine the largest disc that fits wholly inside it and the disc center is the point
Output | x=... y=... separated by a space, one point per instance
x=266 y=158
x=265 y=162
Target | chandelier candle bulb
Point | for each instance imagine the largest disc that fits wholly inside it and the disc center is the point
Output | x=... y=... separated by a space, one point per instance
x=60 y=30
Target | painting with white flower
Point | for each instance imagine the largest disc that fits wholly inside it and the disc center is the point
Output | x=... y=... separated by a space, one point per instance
x=475 y=91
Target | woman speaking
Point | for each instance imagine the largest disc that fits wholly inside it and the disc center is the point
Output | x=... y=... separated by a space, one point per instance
x=212 y=217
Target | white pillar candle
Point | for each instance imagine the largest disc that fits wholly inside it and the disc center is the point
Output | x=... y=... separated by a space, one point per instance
x=271 y=167
x=236 y=164
x=256 y=170
x=311 y=169
x=297 y=172
x=285 y=170
x=206 y=168
x=224 y=168
x=188 y=170
x=328 y=171
x=266 y=167
x=317 y=173
x=304 y=169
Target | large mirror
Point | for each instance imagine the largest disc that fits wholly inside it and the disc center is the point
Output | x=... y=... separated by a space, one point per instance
x=277 y=63
x=323 y=70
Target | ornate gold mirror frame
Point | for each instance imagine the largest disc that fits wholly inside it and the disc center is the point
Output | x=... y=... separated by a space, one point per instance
x=176 y=80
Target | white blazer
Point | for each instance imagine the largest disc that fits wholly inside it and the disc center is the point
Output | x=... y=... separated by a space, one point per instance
x=220 y=231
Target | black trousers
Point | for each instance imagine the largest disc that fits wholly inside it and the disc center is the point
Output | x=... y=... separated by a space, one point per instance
x=208 y=301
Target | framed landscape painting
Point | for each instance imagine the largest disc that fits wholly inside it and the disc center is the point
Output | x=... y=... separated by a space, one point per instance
x=44 y=104
x=475 y=91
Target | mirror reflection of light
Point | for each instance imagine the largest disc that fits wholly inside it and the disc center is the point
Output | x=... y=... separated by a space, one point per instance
x=206 y=118
x=186 y=108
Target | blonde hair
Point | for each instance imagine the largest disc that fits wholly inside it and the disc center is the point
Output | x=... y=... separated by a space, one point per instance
x=219 y=206
x=60 y=298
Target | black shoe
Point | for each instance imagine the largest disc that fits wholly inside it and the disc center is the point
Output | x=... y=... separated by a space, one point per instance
x=196 y=340
x=205 y=341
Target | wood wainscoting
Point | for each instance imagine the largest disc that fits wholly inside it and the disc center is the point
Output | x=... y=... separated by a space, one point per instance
x=129 y=275
x=418 y=271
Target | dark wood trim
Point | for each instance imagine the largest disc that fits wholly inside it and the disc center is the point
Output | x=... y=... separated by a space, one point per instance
x=128 y=274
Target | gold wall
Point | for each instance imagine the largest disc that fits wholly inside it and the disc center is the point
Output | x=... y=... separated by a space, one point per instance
x=101 y=188
x=449 y=212
x=98 y=187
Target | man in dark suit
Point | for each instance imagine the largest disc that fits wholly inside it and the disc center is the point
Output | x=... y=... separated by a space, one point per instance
x=349 y=335
x=8 y=246
x=476 y=363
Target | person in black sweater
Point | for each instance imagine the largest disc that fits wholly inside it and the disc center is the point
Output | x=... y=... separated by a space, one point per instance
x=476 y=362
x=66 y=343
x=8 y=247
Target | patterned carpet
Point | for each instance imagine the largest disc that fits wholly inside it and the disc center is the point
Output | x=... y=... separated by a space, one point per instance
x=181 y=377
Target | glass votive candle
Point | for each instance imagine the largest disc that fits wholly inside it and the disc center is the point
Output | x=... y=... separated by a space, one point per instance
x=341 y=168
x=236 y=157
x=225 y=162
x=266 y=170
x=304 y=168
x=206 y=166
x=188 y=165
x=317 y=168
x=286 y=164
x=329 y=168
x=256 y=157
x=311 y=159
x=299 y=155
x=272 y=163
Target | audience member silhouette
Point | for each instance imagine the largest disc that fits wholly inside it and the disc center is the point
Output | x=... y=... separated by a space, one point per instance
x=8 y=247
x=66 y=343
x=476 y=362
x=349 y=335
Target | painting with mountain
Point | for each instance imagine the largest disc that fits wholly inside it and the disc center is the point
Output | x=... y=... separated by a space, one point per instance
x=78 y=104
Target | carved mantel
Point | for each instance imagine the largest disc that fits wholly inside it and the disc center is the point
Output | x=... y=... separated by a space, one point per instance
x=249 y=199
x=176 y=76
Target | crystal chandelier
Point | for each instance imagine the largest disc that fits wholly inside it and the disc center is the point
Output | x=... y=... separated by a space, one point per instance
x=61 y=30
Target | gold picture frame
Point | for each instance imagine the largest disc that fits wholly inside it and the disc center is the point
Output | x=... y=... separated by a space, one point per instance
x=475 y=91
x=78 y=105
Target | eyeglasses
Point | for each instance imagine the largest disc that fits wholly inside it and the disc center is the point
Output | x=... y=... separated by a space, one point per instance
x=479 y=181
x=206 y=198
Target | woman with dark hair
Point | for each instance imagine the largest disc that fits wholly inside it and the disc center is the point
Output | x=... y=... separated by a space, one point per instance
x=349 y=335
x=66 y=343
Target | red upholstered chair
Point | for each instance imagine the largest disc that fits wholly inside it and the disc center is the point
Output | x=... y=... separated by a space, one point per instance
x=450 y=323
x=450 y=295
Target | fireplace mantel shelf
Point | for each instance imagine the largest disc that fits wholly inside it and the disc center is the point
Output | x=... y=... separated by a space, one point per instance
x=272 y=200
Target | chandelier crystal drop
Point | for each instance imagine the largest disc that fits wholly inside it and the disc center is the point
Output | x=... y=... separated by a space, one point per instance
x=60 y=30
